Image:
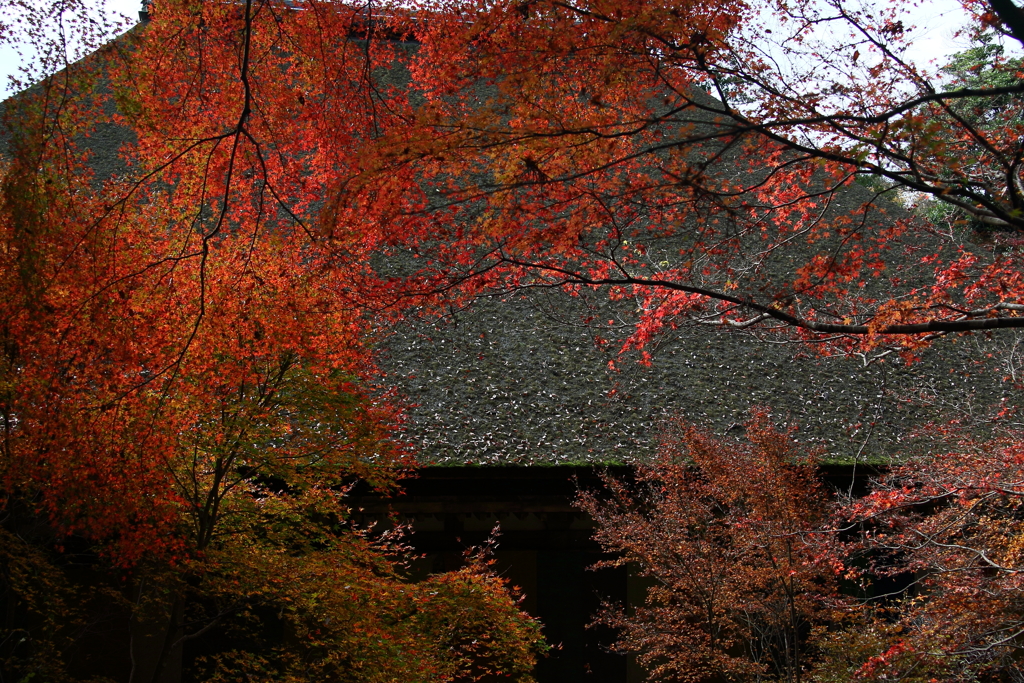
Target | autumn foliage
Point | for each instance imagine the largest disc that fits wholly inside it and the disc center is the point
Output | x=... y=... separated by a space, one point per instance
x=704 y=160
x=756 y=571
x=732 y=538
x=950 y=525
x=187 y=383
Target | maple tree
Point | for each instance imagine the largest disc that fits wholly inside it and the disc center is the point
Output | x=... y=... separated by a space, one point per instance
x=187 y=385
x=701 y=160
x=950 y=525
x=698 y=161
x=729 y=536
x=753 y=570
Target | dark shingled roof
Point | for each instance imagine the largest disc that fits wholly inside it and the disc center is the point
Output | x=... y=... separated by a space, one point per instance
x=520 y=380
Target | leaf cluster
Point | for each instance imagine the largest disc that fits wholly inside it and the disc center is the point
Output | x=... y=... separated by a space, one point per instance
x=727 y=536
x=754 y=571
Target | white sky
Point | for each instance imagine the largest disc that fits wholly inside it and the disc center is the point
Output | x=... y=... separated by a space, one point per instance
x=937 y=20
x=9 y=58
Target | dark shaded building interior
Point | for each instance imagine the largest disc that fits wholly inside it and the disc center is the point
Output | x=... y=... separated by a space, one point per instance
x=544 y=548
